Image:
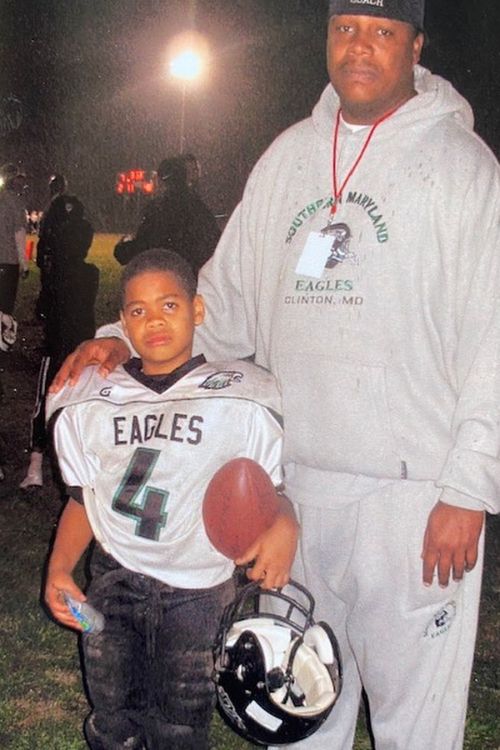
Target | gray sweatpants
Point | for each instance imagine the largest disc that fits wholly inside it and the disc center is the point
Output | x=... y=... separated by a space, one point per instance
x=411 y=647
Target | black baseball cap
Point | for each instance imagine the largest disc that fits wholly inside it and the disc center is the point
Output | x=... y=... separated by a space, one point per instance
x=410 y=11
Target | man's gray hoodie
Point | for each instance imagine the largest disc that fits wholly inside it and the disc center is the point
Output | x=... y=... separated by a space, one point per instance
x=388 y=358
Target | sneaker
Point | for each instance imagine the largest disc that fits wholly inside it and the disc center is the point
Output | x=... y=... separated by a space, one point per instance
x=34 y=477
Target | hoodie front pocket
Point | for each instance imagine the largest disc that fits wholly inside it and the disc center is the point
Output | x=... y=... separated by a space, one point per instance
x=338 y=416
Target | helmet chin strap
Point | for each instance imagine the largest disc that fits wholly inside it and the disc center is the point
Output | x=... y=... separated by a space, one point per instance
x=297 y=700
x=277 y=677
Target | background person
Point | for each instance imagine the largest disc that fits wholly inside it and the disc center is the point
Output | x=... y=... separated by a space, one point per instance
x=13 y=262
x=177 y=218
x=69 y=317
x=388 y=364
x=12 y=237
x=46 y=248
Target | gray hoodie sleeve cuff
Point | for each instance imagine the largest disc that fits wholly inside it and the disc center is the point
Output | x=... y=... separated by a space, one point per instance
x=471 y=480
x=459 y=500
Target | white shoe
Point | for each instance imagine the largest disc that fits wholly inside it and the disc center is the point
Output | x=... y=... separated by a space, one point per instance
x=31 y=480
x=34 y=477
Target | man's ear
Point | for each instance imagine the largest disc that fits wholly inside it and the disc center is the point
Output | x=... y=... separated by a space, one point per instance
x=198 y=309
x=418 y=44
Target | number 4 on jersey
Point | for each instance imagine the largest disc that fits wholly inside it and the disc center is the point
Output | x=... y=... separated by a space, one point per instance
x=134 y=499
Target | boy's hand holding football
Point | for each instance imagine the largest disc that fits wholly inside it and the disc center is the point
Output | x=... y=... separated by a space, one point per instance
x=274 y=550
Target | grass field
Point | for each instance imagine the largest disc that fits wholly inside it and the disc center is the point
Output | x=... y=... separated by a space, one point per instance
x=42 y=701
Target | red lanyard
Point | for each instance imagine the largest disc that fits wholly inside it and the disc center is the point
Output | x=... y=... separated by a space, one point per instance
x=337 y=192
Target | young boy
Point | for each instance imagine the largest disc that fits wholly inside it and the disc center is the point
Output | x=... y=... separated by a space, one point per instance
x=137 y=450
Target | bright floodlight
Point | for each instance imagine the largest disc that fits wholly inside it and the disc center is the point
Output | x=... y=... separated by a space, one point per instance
x=187 y=66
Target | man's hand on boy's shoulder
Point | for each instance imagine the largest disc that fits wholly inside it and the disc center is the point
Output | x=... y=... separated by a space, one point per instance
x=106 y=352
x=274 y=551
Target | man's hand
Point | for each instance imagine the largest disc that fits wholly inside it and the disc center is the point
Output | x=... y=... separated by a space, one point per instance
x=106 y=352
x=450 y=542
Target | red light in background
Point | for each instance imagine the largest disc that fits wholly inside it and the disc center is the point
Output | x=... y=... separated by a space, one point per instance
x=135 y=181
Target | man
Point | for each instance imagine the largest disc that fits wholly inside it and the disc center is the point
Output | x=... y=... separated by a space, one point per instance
x=176 y=219
x=70 y=286
x=388 y=364
x=13 y=261
x=12 y=236
x=46 y=249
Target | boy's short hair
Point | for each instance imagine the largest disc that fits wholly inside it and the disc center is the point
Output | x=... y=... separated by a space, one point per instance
x=159 y=259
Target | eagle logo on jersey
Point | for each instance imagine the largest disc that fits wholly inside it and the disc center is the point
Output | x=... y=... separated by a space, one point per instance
x=222 y=379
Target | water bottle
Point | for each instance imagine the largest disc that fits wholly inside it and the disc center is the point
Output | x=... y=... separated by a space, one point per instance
x=89 y=618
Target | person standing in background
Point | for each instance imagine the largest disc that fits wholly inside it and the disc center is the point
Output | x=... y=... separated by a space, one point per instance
x=47 y=246
x=13 y=261
x=177 y=218
x=70 y=316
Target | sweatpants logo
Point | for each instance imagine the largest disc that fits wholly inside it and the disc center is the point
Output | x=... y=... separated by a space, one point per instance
x=441 y=621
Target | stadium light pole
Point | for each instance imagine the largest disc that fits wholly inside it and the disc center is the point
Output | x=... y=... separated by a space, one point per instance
x=186 y=66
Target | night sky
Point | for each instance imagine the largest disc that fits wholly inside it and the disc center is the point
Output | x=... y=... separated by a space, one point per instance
x=95 y=98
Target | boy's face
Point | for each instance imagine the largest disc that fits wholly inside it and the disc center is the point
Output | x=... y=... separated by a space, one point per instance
x=159 y=318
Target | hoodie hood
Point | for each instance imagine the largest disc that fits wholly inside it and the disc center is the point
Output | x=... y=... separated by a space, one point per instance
x=436 y=99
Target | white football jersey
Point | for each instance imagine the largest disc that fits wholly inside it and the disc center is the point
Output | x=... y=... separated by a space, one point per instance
x=144 y=459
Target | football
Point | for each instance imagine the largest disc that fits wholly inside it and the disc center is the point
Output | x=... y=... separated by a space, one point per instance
x=240 y=503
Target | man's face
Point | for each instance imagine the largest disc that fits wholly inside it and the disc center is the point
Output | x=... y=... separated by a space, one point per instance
x=370 y=64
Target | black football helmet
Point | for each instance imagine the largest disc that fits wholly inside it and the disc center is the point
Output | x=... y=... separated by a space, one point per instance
x=277 y=672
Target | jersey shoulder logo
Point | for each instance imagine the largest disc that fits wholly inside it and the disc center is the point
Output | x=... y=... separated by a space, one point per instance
x=221 y=379
x=105 y=392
